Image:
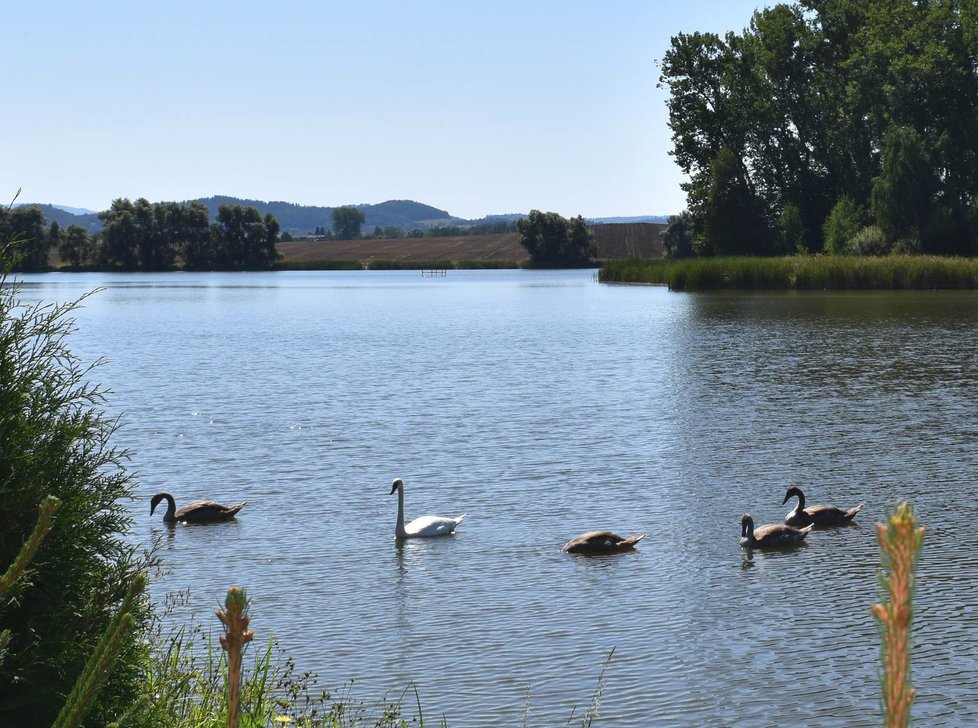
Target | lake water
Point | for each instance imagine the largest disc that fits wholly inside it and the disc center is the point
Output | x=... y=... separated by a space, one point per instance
x=544 y=404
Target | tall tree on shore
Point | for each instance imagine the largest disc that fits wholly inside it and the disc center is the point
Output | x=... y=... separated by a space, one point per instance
x=119 y=246
x=347 y=222
x=25 y=226
x=550 y=239
x=76 y=246
x=244 y=240
x=798 y=110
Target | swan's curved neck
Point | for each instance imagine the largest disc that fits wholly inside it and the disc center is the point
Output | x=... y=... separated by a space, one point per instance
x=399 y=527
x=747 y=531
x=801 y=500
x=171 y=508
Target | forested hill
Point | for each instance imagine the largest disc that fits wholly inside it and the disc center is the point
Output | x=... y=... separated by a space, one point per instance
x=88 y=221
x=303 y=219
x=296 y=219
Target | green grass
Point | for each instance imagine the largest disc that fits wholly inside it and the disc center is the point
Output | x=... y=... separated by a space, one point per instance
x=319 y=265
x=186 y=687
x=820 y=272
x=488 y=264
x=396 y=264
x=410 y=265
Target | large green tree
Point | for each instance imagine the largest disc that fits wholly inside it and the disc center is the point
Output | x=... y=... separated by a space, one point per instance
x=191 y=226
x=347 y=222
x=25 y=224
x=552 y=240
x=799 y=109
x=245 y=239
x=76 y=246
x=119 y=240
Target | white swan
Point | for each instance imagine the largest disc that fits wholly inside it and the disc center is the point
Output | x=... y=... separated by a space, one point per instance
x=424 y=527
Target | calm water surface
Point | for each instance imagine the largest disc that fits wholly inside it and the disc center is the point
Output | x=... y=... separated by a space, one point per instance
x=544 y=404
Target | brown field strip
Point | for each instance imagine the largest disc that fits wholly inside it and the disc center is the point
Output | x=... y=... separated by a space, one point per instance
x=625 y=240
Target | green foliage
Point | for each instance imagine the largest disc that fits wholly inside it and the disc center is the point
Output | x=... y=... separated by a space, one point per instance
x=76 y=246
x=13 y=579
x=54 y=440
x=489 y=227
x=347 y=222
x=903 y=193
x=842 y=225
x=324 y=264
x=678 y=235
x=871 y=240
x=244 y=240
x=791 y=230
x=814 y=101
x=733 y=223
x=145 y=236
x=377 y=264
x=87 y=685
x=487 y=264
x=26 y=226
x=552 y=240
x=186 y=687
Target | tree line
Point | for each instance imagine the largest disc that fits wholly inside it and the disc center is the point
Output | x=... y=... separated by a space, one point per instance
x=348 y=223
x=147 y=236
x=828 y=126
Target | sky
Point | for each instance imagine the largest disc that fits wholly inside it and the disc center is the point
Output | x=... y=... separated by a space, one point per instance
x=475 y=108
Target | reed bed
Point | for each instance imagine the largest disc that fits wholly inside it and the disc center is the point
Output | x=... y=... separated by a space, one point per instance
x=819 y=272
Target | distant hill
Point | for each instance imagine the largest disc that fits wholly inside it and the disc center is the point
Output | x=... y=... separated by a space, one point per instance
x=64 y=218
x=304 y=219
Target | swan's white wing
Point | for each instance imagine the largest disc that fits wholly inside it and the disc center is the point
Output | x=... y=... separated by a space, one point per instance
x=432 y=526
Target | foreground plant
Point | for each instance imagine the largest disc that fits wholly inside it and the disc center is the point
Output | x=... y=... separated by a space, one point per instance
x=55 y=440
x=900 y=539
x=236 y=635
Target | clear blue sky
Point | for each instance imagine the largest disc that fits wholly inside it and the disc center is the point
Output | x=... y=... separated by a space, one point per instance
x=476 y=108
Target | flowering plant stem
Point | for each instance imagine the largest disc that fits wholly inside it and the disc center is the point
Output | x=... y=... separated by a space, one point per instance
x=900 y=539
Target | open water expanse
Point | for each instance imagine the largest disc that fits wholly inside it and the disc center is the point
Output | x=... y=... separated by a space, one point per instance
x=544 y=404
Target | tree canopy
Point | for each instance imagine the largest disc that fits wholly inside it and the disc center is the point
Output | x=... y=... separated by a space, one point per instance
x=821 y=100
x=151 y=236
x=551 y=239
x=347 y=222
x=25 y=225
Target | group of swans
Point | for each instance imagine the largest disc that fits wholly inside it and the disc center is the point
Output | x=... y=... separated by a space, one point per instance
x=592 y=542
x=797 y=524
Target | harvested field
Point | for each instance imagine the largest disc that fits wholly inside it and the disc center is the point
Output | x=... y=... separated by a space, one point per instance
x=627 y=240
x=498 y=247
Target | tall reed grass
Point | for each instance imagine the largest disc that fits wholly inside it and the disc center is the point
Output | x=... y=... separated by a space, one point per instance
x=819 y=272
